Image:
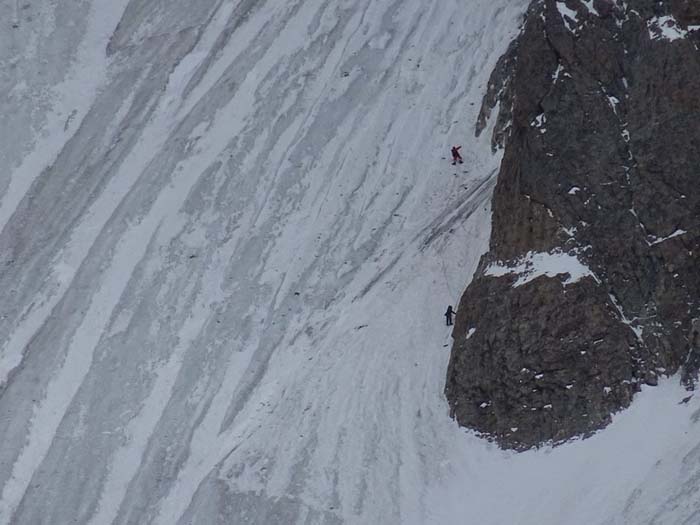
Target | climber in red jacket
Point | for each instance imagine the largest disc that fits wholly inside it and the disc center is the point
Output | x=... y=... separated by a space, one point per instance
x=456 y=157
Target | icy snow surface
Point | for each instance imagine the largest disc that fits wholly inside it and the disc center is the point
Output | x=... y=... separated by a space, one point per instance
x=228 y=237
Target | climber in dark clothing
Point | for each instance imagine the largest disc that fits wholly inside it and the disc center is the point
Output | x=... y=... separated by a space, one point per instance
x=448 y=315
x=456 y=157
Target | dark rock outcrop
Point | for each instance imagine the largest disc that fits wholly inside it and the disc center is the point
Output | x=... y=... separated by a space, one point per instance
x=591 y=286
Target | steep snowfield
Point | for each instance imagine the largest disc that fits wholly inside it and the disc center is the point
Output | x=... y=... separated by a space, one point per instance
x=228 y=236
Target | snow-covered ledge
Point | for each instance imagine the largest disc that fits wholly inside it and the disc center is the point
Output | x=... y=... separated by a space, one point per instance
x=535 y=264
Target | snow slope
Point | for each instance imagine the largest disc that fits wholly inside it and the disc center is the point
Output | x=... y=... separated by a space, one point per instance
x=228 y=237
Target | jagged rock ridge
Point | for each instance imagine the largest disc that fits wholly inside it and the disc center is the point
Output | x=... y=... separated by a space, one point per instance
x=591 y=285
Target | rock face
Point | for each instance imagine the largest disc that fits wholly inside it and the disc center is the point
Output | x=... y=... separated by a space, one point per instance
x=591 y=286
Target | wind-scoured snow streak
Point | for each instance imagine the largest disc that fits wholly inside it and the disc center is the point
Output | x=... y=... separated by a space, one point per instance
x=203 y=224
x=228 y=233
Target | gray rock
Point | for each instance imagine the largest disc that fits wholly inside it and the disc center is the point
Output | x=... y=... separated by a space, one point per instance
x=600 y=120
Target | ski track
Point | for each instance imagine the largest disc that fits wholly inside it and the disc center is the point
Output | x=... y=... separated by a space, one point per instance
x=225 y=256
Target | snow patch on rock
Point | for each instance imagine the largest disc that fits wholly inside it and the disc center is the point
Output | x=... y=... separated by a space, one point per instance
x=536 y=264
x=569 y=16
x=656 y=240
x=665 y=28
x=590 y=7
